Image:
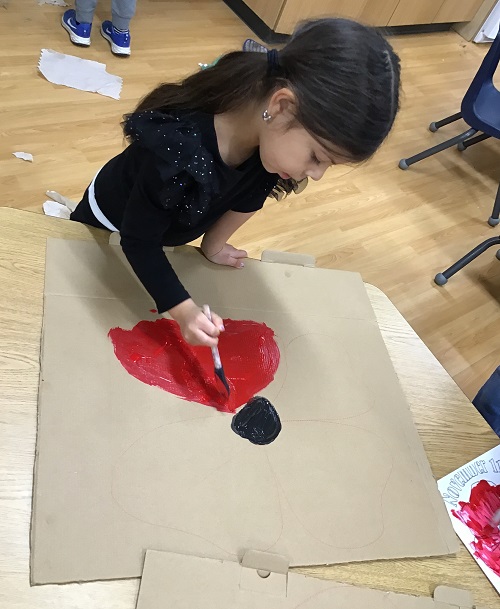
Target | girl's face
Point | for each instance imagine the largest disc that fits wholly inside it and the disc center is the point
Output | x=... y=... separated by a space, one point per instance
x=294 y=153
x=291 y=151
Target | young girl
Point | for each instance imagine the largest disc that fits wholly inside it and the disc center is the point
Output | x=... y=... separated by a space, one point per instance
x=205 y=153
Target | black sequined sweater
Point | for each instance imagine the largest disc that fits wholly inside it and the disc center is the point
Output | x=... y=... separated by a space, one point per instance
x=168 y=188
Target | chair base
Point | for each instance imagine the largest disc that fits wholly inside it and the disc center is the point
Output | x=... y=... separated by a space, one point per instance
x=494 y=219
x=435 y=125
x=442 y=278
x=454 y=141
x=474 y=140
x=462 y=141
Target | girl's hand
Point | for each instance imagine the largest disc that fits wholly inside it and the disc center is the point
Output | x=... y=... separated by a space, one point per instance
x=228 y=256
x=195 y=327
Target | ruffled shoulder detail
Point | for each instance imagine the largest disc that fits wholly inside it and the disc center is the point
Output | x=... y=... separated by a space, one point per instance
x=176 y=141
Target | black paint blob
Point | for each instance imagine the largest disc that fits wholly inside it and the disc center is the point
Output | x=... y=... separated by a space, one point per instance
x=257 y=421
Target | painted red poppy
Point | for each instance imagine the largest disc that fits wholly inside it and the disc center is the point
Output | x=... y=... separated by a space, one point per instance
x=476 y=514
x=155 y=353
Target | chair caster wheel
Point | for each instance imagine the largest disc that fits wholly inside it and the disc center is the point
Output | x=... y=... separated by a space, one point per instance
x=461 y=146
x=498 y=254
x=403 y=164
x=493 y=221
x=433 y=128
x=440 y=279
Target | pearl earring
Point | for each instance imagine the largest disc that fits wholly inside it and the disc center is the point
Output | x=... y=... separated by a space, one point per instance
x=266 y=116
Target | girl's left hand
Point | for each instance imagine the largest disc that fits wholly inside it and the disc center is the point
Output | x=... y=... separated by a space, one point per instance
x=228 y=256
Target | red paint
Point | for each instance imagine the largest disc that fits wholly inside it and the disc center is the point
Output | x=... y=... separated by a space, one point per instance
x=155 y=353
x=153 y=311
x=476 y=514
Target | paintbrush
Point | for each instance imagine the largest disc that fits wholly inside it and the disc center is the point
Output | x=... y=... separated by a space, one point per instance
x=495 y=520
x=218 y=369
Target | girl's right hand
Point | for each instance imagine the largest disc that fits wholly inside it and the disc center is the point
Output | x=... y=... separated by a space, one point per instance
x=195 y=327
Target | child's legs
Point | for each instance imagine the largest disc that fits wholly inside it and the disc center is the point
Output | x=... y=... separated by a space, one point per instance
x=85 y=10
x=122 y=12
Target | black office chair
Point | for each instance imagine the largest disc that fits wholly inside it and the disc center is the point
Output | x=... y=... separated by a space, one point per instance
x=481 y=110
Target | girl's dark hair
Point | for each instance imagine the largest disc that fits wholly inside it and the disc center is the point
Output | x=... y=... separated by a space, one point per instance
x=345 y=77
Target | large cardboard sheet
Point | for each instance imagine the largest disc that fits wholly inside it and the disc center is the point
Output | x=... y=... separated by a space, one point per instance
x=122 y=466
x=261 y=582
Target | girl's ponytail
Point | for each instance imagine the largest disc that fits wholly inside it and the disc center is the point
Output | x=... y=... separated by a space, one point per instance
x=235 y=80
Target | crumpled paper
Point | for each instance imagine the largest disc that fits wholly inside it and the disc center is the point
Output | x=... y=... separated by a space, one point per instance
x=78 y=73
x=59 y=207
x=56 y=210
x=69 y=203
x=25 y=156
x=54 y=2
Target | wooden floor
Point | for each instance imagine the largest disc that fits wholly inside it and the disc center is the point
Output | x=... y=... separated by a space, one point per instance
x=396 y=228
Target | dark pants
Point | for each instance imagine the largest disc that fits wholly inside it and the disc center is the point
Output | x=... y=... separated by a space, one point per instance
x=84 y=214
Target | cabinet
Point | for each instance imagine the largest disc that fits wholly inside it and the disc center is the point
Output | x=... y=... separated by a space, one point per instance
x=464 y=8
x=373 y=12
x=283 y=15
x=409 y=12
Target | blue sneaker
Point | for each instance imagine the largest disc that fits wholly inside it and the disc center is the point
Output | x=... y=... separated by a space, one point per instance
x=118 y=40
x=79 y=33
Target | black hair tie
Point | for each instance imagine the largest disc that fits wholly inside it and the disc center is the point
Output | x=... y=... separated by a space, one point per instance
x=273 y=63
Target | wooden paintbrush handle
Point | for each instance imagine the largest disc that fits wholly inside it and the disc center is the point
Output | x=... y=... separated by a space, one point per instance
x=215 y=351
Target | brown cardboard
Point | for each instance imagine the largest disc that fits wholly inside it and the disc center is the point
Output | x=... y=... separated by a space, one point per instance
x=122 y=466
x=454 y=596
x=114 y=238
x=187 y=582
x=288 y=258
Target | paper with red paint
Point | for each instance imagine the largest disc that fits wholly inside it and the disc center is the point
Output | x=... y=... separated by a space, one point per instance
x=472 y=497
